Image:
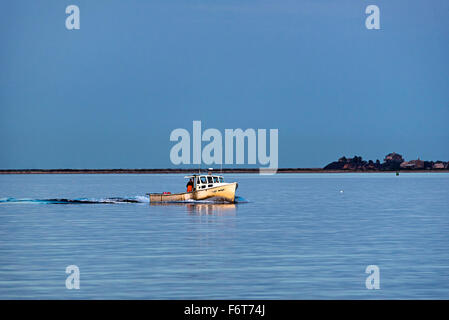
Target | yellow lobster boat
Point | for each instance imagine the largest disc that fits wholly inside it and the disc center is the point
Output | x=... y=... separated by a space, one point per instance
x=204 y=187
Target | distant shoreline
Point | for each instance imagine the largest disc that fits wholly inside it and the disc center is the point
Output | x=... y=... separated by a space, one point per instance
x=189 y=171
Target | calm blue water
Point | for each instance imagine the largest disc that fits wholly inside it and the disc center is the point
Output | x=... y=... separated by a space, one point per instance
x=300 y=236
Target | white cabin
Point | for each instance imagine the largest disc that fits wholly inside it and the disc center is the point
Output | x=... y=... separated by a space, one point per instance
x=201 y=182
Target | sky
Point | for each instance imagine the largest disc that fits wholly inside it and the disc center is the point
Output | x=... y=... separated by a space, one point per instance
x=109 y=94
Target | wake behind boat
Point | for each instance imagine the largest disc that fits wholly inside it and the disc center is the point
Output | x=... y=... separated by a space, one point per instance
x=200 y=187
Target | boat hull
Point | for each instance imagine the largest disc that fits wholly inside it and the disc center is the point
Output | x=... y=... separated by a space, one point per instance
x=225 y=193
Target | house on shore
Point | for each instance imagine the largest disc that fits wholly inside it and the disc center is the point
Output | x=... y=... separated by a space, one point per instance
x=413 y=164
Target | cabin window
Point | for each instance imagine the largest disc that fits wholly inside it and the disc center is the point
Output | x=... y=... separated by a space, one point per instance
x=221 y=180
x=209 y=179
x=203 y=180
x=198 y=180
x=215 y=179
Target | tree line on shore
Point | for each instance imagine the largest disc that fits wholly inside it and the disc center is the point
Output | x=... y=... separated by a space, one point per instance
x=392 y=161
